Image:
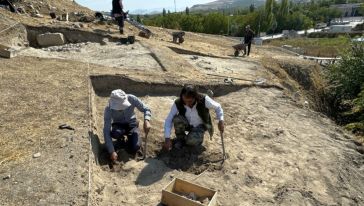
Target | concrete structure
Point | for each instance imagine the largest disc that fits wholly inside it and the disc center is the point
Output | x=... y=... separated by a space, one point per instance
x=258 y=41
x=340 y=28
x=290 y=33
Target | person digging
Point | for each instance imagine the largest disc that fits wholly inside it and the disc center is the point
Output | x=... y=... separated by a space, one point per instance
x=191 y=118
x=120 y=122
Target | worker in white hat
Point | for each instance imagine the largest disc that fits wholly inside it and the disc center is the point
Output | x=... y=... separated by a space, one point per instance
x=120 y=122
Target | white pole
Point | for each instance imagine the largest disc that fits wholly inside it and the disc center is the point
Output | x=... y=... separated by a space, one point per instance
x=175 y=7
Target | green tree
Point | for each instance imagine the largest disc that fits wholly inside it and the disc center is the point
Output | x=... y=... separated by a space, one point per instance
x=138 y=19
x=269 y=16
x=348 y=75
x=298 y=21
x=361 y=10
x=187 y=11
x=283 y=12
x=191 y=23
x=215 y=23
x=251 y=8
x=347 y=80
x=164 y=12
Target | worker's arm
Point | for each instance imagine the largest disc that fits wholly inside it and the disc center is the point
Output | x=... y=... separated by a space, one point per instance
x=211 y=104
x=136 y=102
x=168 y=123
x=142 y=108
x=107 y=129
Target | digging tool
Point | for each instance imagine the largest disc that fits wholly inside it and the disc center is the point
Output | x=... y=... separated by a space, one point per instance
x=258 y=81
x=145 y=145
x=65 y=126
x=144 y=32
x=223 y=147
x=145 y=148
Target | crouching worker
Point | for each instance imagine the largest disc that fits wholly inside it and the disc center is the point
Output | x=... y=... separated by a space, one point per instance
x=120 y=122
x=190 y=117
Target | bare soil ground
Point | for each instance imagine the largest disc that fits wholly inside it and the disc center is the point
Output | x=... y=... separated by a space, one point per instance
x=279 y=151
x=112 y=55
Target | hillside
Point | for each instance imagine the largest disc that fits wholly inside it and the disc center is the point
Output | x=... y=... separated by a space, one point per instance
x=44 y=6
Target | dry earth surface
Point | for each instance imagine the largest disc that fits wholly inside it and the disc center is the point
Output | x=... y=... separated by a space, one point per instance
x=280 y=152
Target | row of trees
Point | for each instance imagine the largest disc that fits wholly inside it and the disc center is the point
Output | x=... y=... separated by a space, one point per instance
x=347 y=88
x=271 y=18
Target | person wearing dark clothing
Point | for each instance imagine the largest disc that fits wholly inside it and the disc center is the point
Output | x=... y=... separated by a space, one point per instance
x=248 y=38
x=10 y=5
x=118 y=14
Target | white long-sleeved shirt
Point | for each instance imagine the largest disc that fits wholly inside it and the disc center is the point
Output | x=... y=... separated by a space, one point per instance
x=192 y=115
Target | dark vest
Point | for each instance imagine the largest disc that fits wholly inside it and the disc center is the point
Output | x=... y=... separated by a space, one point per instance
x=202 y=111
x=116 y=8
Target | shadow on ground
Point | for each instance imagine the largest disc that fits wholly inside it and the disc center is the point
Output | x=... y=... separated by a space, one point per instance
x=102 y=157
x=191 y=159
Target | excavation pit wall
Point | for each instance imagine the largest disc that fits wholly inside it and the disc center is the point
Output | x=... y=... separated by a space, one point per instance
x=159 y=97
x=71 y=35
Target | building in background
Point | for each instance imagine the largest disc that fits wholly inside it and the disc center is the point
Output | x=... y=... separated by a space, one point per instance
x=347 y=9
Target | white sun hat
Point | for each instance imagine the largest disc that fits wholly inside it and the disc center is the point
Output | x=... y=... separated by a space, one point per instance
x=119 y=100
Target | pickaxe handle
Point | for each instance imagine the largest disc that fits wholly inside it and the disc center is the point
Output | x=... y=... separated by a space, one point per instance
x=145 y=145
x=223 y=146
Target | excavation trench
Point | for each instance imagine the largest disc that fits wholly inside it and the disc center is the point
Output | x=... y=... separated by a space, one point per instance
x=189 y=52
x=91 y=47
x=159 y=97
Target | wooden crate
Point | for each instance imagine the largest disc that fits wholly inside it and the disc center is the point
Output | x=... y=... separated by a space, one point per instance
x=7 y=52
x=171 y=194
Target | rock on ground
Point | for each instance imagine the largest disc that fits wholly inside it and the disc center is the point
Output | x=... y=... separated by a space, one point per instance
x=12 y=33
x=50 y=39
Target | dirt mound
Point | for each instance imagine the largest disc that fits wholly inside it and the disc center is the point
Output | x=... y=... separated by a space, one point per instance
x=12 y=33
x=45 y=6
x=193 y=160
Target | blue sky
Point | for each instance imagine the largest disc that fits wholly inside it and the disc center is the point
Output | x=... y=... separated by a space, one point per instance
x=133 y=5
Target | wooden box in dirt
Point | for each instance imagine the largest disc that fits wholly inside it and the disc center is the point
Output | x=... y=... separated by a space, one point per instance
x=182 y=193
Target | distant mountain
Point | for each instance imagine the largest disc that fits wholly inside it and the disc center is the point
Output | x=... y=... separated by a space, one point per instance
x=223 y=4
x=154 y=10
